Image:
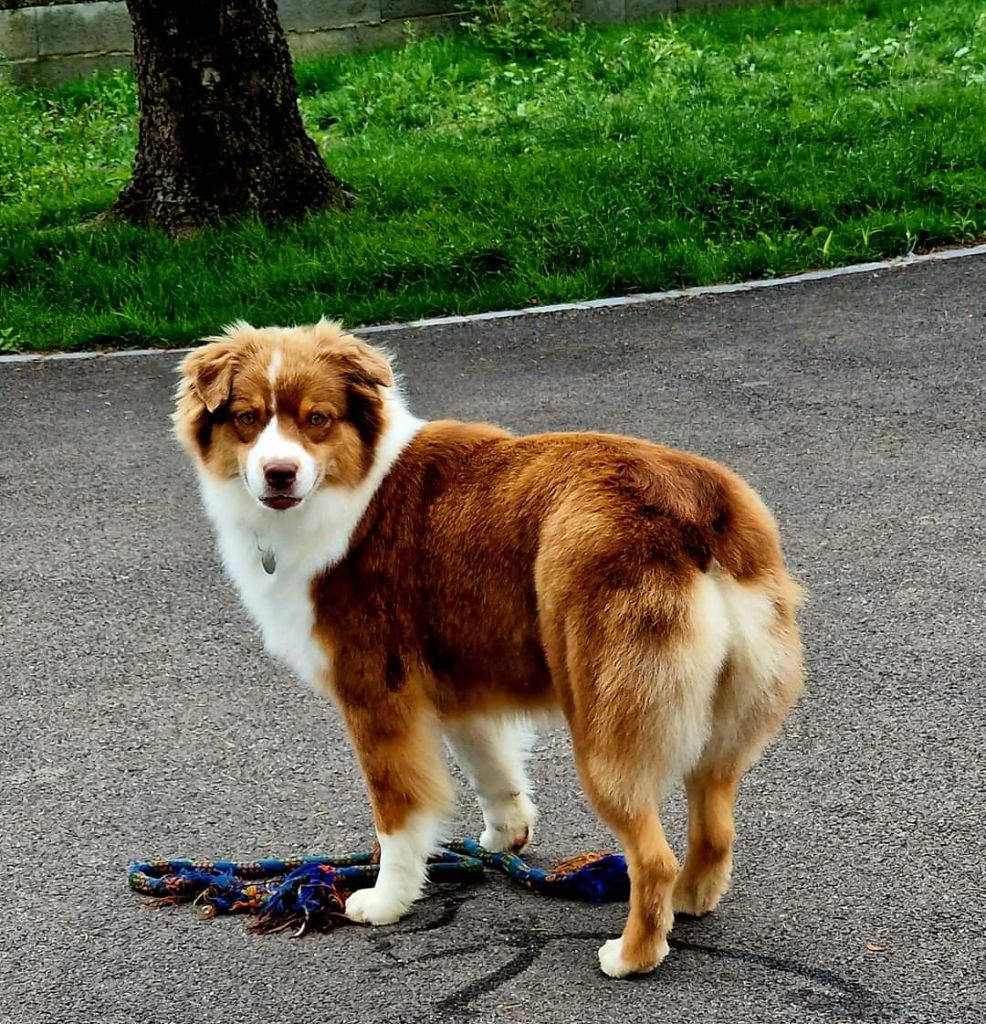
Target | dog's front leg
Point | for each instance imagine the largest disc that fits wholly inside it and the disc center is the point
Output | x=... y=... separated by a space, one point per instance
x=491 y=753
x=396 y=739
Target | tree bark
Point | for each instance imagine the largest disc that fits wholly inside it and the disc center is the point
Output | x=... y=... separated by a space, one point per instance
x=220 y=131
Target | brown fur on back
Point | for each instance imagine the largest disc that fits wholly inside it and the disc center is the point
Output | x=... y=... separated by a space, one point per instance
x=441 y=578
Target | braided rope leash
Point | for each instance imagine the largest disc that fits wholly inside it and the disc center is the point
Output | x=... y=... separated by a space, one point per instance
x=309 y=893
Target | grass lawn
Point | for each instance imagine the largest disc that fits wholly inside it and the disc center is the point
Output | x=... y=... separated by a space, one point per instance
x=713 y=147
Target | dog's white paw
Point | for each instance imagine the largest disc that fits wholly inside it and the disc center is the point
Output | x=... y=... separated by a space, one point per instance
x=509 y=825
x=611 y=959
x=370 y=906
x=612 y=963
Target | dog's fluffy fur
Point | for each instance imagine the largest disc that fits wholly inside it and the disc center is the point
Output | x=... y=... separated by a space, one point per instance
x=449 y=578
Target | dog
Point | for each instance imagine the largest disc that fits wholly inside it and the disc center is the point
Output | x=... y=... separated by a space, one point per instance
x=450 y=579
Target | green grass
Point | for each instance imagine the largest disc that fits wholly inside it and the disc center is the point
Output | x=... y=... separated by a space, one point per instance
x=748 y=143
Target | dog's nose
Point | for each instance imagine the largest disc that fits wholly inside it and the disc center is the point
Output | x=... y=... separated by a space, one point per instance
x=280 y=475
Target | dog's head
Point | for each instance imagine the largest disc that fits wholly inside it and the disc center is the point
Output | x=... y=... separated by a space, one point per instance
x=286 y=410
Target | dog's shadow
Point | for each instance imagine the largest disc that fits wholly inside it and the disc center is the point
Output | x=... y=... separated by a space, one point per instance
x=817 y=989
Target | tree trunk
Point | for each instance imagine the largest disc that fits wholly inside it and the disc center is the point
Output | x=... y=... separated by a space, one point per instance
x=220 y=131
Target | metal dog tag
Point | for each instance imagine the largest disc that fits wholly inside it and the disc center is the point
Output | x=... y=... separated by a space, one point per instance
x=268 y=561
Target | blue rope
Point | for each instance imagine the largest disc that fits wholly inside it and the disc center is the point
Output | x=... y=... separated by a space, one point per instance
x=309 y=893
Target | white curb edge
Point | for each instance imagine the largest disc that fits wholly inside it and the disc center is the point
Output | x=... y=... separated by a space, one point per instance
x=564 y=307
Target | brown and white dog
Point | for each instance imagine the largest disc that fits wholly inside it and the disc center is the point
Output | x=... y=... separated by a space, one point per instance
x=451 y=578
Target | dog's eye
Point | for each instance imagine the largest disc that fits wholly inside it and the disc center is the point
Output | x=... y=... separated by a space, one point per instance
x=318 y=419
x=246 y=418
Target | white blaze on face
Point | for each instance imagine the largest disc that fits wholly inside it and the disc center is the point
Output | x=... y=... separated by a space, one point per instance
x=274 y=448
x=272 y=370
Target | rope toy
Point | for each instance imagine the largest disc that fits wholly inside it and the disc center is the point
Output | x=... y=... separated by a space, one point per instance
x=309 y=893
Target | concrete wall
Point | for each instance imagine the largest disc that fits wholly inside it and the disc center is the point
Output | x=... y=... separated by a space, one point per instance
x=45 y=41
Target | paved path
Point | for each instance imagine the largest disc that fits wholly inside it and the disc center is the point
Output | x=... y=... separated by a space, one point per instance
x=138 y=716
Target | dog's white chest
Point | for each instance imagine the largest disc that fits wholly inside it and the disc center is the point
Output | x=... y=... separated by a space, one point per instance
x=298 y=545
x=281 y=605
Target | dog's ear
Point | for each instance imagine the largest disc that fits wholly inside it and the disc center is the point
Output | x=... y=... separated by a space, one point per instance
x=366 y=365
x=208 y=371
x=366 y=370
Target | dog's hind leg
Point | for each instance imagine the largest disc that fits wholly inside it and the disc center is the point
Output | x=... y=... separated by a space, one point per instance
x=491 y=753
x=641 y=683
x=759 y=682
x=705 y=876
x=652 y=867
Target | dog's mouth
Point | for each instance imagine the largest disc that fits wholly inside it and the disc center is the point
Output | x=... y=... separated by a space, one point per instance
x=280 y=502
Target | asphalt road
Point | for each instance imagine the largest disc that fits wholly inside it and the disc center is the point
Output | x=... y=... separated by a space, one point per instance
x=139 y=717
